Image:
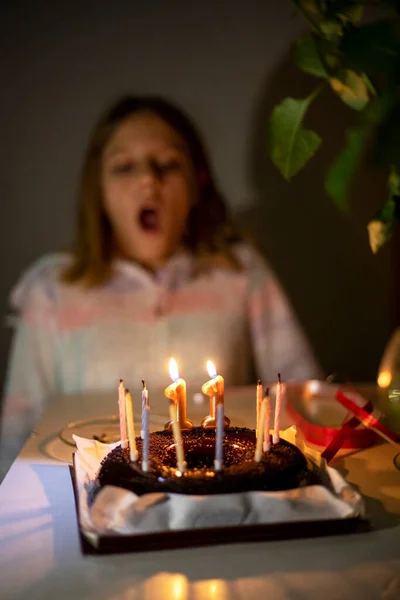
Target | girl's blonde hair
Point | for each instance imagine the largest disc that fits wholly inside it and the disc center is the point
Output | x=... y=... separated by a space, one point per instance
x=209 y=235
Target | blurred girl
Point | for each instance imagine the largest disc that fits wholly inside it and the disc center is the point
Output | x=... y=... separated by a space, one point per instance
x=157 y=270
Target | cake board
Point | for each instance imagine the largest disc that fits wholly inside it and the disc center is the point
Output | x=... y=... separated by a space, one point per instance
x=171 y=539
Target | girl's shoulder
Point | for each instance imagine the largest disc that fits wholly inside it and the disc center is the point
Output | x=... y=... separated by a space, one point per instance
x=44 y=275
x=251 y=260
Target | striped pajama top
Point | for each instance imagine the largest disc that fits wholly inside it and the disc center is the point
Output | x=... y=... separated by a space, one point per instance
x=71 y=340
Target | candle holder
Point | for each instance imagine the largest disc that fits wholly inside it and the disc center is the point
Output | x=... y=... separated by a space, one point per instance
x=210 y=421
x=185 y=424
x=176 y=392
x=214 y=388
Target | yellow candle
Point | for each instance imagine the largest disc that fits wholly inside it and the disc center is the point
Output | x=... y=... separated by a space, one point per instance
x=176 y=392
x=131 y=426
x=260 y=439
x=215 y=389
x=267 y=426
x=122 y=417
x=176 y=430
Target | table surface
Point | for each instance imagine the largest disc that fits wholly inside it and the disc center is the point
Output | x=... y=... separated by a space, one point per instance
x=40 y=552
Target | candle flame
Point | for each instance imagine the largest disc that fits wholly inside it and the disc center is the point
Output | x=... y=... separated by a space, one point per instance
x=173 y=369
x=212 y=371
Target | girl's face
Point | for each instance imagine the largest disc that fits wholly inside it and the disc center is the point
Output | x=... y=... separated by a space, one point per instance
x=149 y=185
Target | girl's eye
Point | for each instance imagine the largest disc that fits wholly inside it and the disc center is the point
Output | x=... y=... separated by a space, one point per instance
x=159 y=168
x=122 y=168
x=168 y=166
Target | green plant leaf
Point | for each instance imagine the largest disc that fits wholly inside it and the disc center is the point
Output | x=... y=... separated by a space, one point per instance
x=331 y=29
x=378 y=109
x=351 y=88
x=394 y=182
x=379 y=233
x=352 y=14
x=307 y=57
x=381 y=227
x=342 y=170
x=290 y=145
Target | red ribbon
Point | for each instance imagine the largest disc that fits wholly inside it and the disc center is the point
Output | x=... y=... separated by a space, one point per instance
x=344 y=432
x=323 y=436
x=367 y=419
x=347 y=437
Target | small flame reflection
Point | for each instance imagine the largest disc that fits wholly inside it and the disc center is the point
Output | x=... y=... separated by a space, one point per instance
x=384 y=379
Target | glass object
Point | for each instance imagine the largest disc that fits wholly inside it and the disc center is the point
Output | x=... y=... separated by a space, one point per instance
x=389 y=381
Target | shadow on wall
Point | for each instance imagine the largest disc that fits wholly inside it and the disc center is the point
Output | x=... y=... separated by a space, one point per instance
x=342 y=293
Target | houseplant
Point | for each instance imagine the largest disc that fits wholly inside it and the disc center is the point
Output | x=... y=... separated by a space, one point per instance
x=353 y=47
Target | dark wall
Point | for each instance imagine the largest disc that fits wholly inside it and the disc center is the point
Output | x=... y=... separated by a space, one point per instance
x=227 y=63
x=343 y=293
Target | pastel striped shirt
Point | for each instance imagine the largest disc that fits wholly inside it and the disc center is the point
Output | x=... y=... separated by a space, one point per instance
x=70 y=340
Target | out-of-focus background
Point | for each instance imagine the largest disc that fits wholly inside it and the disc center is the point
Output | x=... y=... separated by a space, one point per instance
x=227 y=63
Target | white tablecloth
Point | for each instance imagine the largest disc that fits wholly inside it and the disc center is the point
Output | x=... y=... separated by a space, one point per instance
x=40 y=554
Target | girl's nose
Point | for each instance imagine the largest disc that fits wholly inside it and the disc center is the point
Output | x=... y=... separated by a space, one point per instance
x=147 y=171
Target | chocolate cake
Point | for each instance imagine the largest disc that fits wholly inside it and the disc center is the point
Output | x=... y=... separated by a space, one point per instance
x=283 y=467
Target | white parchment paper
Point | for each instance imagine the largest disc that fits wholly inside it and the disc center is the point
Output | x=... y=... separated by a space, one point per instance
x=119 y=511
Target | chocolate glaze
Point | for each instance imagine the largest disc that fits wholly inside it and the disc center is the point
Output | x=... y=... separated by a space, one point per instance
x=283 y=467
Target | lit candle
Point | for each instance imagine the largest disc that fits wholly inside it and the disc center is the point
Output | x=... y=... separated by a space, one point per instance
x=278 y=404
x=176 y=430
x=145 y=437
x=260 y=439
x=267 y=427
x=177 y=393
x=258 y=405
x=131 y=427
x=219 y=437
x=145 y=402
x=214 y=388
x=122 y=417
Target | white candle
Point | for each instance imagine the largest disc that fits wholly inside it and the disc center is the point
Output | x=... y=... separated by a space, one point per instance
x=219 y=437
x=267 y=427
x=176 y=430
x=145 y=437
x=260 y=439
x=145 y=402
x=258 y=405
x=131 y=427
x=278 y=404
x=122 y=416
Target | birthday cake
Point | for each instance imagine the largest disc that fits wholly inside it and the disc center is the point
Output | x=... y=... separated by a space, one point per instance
x=188 y=477
x=283 y=467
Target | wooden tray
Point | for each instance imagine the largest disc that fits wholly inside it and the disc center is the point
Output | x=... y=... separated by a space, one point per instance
x=112 y=544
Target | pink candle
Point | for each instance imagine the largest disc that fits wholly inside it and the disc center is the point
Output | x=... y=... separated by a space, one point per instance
x=122 y=413
x=278 y=404
x=258 y=405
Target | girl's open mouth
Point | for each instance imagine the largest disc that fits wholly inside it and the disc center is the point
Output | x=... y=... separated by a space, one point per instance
x=149 y=219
